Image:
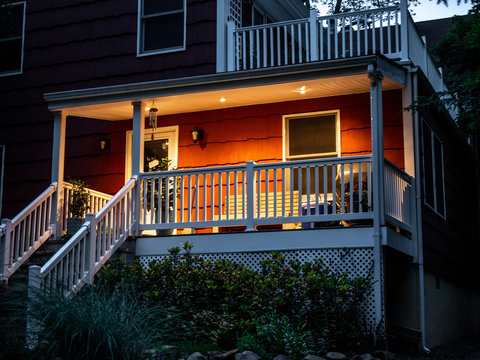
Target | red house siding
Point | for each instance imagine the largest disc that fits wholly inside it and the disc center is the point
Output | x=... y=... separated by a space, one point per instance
x=239 y=134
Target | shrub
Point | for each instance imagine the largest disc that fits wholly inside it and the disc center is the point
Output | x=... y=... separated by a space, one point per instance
x=97 y=325
x=285 y=308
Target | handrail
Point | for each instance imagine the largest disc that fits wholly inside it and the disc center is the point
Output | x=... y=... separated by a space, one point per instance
x=280 y=23
x=82 y=256
x=357 y=13
x=26 y=232
x=399 y=196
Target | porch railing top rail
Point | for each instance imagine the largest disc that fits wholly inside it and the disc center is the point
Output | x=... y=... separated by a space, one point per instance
x=402 y=174
x=270 y=25
x=95 y=193
x=358 y=13
x=24 y=213
x=26 y=232
x=232 y=168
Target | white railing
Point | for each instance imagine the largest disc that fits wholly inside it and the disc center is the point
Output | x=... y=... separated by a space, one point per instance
x=258 y=194
x=96 y=201
x=276 y=44
x=399 y=196
x=316 y=38
x=360 y=33
x=84 y=254
x=26 y=232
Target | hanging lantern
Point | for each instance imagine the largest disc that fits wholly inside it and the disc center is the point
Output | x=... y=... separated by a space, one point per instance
x=153 y=116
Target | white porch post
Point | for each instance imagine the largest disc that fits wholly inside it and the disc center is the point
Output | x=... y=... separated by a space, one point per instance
x=58 y=161
x=404 y=52
x=137 y=137
x=313 y=35
x=222 y=11
x=137 y=156
x=376 y=112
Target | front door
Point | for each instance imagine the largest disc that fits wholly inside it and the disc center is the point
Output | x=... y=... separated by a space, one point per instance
x=158 y=145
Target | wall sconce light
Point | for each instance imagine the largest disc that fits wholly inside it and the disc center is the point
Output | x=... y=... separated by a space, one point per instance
x=197 y=134
x=103 y=143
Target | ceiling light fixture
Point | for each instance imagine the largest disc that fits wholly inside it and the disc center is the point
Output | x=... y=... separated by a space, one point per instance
x=223 y=99
x=302 y=90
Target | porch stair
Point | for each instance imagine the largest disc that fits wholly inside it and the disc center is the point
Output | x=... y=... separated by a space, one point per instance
x=34 y=227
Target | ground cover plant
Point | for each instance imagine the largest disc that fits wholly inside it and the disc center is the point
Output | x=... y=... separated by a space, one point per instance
x=289 y=308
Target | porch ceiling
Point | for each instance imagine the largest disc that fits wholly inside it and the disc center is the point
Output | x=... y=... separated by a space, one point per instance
x=254 y=95
x=252 y=87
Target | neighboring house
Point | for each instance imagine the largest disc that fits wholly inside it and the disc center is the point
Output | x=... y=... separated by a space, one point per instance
x=287 y=130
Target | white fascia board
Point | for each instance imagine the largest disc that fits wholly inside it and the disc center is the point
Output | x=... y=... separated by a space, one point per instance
x=360 y=237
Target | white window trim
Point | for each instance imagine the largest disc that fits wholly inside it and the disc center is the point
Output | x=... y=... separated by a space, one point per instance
x=434 y=208
x=2 y=175
x=17 y=72
x=285 y=137
x=140 y=32
x=169 y=132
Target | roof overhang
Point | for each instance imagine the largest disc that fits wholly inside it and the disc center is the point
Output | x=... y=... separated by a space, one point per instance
x=239 y=88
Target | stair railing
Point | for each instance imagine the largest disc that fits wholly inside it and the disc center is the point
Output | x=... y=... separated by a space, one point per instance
x=26 y=232
x=77 y=262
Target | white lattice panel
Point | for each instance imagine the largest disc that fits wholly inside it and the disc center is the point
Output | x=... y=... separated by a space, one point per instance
x=236 y=12
x=354 y=261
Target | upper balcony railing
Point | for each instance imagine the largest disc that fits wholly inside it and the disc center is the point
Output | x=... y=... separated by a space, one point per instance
x=389 y=31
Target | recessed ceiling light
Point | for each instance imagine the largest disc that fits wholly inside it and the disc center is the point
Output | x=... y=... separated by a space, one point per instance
x=223 y=99
x=147 y=109
x=302 y=90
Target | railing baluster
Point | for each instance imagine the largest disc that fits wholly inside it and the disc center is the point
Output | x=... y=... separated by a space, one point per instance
x=235 y=195
x=321 y=39
x=227 y=195
x=274 y=193
x=335 y=33
x=251 y=38
x=381 y=32
x=285 y=41
x=283 y=192
x=272 y=52
x=358 y=36
x=343 y=37
x=258 y=55
x=325 y=189
x=292 y=42
x=329 y=36
x=352 y=180
x=265 y=64
x=374 y=40
x=317 y=194
x=342 y=193
x=307 y=42
x=204 y=197
x=360 y=188
x=300 y=55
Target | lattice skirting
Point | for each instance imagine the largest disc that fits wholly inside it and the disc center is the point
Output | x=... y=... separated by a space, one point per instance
x=354 y=261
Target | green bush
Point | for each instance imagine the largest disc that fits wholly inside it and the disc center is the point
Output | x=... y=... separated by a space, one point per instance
x=288 y=308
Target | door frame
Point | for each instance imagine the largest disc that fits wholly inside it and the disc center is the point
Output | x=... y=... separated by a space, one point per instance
x=165 y=132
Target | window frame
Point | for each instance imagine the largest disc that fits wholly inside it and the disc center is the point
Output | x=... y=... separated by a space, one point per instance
x=286 y=137
x=20 y=70
x=141 y=31
x=434 y=207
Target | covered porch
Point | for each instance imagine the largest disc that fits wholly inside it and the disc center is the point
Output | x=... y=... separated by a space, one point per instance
x=271 y=198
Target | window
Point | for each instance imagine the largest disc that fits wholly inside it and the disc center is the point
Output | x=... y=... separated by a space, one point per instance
x=433 y=170
x=310 y=136
x=2 y=161
x=161 y=26
x=12 y=30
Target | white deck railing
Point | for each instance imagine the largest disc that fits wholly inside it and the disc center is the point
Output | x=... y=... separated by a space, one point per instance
x=96 y=201
x=399 y=196
x=317 y=38
x=258 y=194
x=84 y=254
x=26 y=232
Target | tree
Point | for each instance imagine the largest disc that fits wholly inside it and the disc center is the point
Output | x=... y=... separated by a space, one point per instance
x=459 y=55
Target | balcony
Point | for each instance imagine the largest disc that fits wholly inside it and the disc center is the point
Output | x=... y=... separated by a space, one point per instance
x=389 y=31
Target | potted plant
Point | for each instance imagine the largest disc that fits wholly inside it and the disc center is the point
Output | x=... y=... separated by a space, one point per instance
x=78 y=205
x=163 y=164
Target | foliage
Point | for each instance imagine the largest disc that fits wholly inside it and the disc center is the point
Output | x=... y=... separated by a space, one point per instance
x=293 y=307
x=458 y=54
x=79 y=201
x=98 y=325
x=341 y=6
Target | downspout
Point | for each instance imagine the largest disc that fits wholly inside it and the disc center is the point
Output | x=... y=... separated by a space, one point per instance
x=418 y=199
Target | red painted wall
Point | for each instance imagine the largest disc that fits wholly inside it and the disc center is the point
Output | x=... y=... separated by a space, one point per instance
x=236 y=135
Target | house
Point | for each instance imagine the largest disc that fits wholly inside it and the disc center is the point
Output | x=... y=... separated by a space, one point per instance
x=285 y=129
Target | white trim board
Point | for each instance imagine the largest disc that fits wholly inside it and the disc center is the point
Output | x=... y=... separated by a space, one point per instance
x=260 y=241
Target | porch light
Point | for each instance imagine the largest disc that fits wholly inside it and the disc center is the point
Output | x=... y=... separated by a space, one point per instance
x=197 y=134
x=152 y=112
x=103 y=143
x=223 y=99
x=302 y=90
